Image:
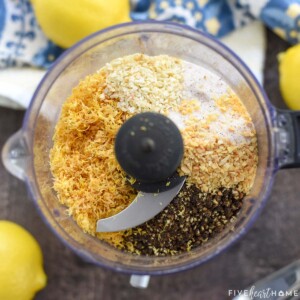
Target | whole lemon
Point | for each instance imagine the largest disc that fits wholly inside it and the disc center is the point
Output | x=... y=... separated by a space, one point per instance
x=289 y=75
x=21 y=270
x=66 y=22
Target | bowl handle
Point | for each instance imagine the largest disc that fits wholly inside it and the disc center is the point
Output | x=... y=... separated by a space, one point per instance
x=15 y=155
x=287 y=136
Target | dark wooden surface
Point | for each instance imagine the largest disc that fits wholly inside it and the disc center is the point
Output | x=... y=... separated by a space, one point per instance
x=273 y=242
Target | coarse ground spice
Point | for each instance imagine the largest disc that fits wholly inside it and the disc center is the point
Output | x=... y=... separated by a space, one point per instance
x=213 y=160
x=144 y=83
x=190 y=220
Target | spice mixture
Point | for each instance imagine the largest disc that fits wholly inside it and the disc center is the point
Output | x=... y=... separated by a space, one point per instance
x=190 y=220
x=142 y=83
x=220 y=156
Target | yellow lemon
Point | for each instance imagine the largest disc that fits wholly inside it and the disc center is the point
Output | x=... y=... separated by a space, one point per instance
x=21 y=270
x=65 y=22
x=289 y=75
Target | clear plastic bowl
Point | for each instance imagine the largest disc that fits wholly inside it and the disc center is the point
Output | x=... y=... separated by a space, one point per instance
x=26 y=154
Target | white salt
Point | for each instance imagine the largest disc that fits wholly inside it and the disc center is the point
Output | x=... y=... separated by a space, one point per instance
x=203 y=85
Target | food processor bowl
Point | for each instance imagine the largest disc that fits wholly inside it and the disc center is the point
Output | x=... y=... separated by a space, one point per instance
x=26 y=154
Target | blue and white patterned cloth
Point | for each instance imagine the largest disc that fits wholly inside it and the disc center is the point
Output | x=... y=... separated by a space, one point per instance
x=21 y=39
x=219 y=17
x=23 y=43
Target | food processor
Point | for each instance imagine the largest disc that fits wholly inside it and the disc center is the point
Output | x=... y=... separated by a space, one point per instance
x=26 y=153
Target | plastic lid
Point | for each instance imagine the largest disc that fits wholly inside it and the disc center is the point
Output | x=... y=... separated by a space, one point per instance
x=149 y=147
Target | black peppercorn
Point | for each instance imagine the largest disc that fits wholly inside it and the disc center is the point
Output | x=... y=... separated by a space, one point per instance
x=189 y=221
